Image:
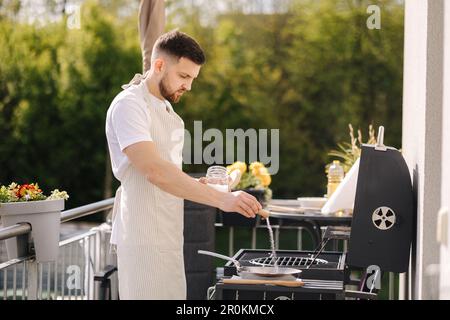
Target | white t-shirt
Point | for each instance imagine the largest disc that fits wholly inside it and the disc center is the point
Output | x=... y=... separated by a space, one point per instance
x=128 y=121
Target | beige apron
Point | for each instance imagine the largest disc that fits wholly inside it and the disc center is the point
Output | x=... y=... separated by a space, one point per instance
x=148 y=222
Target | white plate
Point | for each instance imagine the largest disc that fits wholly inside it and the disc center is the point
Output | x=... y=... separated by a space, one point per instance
x=312 y=202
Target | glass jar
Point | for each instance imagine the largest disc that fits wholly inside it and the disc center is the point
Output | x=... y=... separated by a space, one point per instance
x=217 y=178
x=335 y=177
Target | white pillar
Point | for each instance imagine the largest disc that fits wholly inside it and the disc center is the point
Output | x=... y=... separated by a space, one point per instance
x=422 y=125
x=445 y=186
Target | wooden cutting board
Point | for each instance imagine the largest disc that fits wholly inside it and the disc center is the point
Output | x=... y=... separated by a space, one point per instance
x=284 y=283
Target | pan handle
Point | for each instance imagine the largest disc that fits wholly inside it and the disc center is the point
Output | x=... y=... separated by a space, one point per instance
x=221 y=256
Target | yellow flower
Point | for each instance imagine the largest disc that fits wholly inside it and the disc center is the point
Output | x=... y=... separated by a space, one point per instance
x=256 y=165
x=262 y=174
x=241 y=166
x=265 y=180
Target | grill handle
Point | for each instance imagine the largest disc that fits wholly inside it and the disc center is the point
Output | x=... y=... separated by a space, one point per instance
x=380 y=140
x=221 y=256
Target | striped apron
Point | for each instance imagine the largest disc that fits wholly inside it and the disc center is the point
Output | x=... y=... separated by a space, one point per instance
x=148 y=222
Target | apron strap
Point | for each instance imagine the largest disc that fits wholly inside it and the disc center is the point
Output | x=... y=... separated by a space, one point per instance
x=116 y=206
x=115 y=225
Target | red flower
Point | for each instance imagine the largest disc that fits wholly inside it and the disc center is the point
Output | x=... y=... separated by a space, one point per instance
x=26 y=189
x=21 y=190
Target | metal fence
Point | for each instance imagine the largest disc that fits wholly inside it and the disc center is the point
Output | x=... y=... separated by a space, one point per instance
x=71 y=276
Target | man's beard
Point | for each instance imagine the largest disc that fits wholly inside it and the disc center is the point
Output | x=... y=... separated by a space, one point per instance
x=173 y=97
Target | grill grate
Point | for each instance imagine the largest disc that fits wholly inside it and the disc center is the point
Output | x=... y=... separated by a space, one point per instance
x=287 y=261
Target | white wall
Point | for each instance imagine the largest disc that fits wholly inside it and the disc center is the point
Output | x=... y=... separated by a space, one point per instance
x=445 y=187
x=422 y=123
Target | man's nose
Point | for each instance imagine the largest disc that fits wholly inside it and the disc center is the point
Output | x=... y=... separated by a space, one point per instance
x=187 y=86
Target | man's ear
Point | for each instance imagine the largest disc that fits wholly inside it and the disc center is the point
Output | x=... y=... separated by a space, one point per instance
x=159 y=65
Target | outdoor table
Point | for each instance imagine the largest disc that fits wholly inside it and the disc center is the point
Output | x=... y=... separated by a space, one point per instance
x=312 y=221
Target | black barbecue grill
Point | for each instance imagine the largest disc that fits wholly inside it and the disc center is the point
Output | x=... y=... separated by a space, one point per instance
x=380 y=236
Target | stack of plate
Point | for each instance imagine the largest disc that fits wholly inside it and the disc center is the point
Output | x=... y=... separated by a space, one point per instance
x=312 y=202
x=301 y=205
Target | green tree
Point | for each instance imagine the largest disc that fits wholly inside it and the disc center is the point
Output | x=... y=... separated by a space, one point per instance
x=309 y=72
x=56 y=85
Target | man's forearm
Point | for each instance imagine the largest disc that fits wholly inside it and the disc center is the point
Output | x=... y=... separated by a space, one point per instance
x=169 y=178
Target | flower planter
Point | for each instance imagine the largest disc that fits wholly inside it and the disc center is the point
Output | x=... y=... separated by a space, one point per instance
x=44 y=217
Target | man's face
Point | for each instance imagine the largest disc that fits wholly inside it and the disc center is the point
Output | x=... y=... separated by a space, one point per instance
x=178 y=78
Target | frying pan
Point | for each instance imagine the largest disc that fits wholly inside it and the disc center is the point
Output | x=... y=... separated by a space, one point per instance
x=245 y=271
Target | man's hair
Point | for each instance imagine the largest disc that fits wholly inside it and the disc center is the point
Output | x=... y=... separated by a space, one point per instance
x=179 y=45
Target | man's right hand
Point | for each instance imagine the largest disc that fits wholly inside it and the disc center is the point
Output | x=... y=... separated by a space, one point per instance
x=242 y=202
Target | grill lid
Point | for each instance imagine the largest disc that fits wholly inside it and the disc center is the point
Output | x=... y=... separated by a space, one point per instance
x=382 y=224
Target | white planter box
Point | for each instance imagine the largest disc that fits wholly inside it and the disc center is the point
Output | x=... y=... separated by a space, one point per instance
x=44 y=217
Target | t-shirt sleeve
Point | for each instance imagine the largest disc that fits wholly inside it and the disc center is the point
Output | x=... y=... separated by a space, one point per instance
x=131 y=123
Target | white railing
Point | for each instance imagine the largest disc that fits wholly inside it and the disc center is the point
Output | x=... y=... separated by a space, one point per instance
x=71 y=276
